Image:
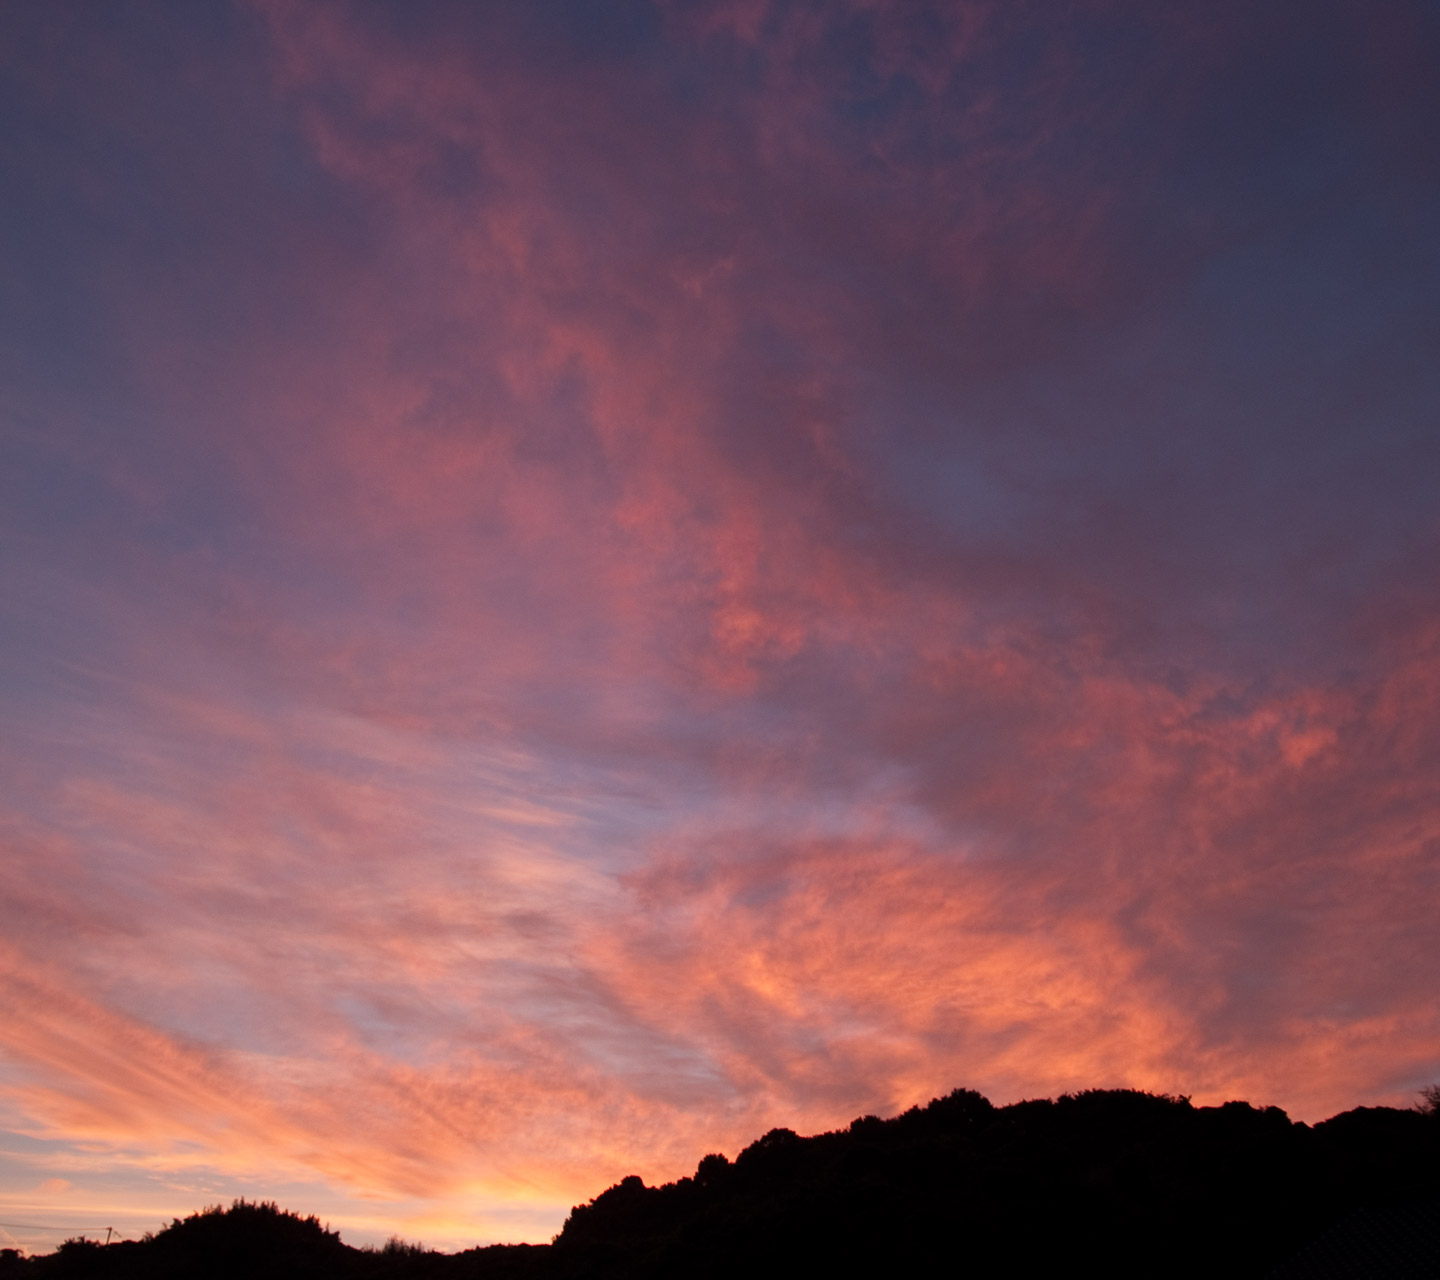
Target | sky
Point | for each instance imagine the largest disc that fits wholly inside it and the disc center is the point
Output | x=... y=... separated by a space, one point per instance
x=581 y=581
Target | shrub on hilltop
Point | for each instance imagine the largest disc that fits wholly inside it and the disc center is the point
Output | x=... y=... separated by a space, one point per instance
x=1115 y=1181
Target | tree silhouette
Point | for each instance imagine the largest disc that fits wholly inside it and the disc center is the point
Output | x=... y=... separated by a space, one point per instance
x=1115 y=1181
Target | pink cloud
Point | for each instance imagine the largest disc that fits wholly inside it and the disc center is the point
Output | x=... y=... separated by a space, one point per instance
x=566 y=754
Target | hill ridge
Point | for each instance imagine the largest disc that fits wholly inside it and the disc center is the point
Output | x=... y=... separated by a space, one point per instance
x=1133 y=1183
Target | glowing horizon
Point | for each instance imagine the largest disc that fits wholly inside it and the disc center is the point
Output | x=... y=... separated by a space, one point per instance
x=581 y=585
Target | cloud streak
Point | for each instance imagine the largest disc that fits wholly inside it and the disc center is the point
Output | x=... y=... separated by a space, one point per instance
x=584 y=587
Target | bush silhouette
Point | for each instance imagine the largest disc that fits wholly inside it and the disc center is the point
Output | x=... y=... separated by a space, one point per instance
x=1116 y=1181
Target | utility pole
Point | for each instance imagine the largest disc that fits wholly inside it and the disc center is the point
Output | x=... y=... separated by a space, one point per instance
x=109 y=1231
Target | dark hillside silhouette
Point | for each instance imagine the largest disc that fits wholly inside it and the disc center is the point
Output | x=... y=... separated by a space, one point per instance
x=1116 y=1182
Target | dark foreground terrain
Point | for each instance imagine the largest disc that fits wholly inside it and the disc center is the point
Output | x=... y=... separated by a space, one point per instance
x=1115 y=1183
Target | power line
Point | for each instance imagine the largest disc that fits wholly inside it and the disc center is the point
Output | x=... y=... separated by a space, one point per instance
x=38 y=1226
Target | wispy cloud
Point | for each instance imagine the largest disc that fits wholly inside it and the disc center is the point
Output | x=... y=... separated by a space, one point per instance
x=580 y=591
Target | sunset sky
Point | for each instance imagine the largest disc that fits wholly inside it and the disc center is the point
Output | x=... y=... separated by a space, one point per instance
x=580 y=580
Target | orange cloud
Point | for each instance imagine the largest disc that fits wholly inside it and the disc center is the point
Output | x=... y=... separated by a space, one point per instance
x=664 y=646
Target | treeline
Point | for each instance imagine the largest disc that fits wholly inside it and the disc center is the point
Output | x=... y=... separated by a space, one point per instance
x=1114 y=1182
